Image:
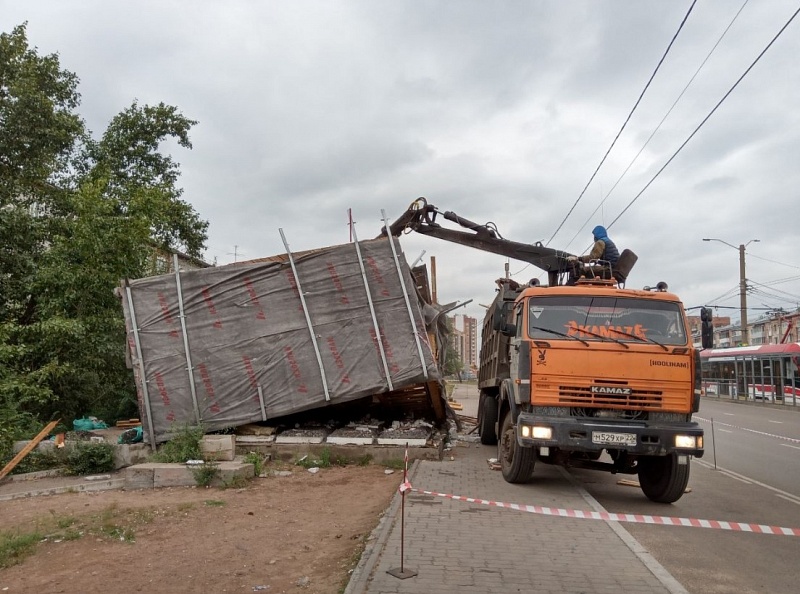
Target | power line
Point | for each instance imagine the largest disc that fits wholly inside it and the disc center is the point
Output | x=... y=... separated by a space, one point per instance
x=685 y=142
x=774 y=261
x=658 y=127
x=652 y=76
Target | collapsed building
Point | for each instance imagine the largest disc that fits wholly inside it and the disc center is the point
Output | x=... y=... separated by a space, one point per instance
x=346 y=327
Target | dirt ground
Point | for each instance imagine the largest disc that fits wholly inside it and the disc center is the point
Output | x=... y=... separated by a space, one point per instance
x=298 y=533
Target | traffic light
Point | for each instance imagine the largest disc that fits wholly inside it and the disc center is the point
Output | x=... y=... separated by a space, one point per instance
x=707 y=330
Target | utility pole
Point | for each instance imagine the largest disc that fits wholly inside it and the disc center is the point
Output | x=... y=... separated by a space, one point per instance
x=743 y=297
x=742 y=286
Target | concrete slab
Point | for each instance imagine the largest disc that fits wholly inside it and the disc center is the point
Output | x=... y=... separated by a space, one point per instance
x=161 y=474
x=218 y=447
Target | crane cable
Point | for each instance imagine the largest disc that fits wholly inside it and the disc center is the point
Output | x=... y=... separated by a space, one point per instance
x=685 y=142
x=641 y=95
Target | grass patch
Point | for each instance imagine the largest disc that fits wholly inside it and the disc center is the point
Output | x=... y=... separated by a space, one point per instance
x=364 y=460
x=395 y=463
x=214 y=502
x=257 y=460
x=236 y=482
x=16 y=547
x=111 y=522
x=326 y=459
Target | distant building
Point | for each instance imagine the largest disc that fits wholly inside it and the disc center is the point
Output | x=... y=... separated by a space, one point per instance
x=774 y=328
x=465 y=340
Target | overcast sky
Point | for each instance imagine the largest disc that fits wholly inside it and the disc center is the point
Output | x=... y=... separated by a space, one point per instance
x=499 y=111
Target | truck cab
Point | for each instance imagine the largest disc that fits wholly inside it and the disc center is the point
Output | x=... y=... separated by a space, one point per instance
x=569 y=373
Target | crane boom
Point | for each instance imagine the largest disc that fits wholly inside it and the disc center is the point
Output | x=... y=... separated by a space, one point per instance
x=421 y=218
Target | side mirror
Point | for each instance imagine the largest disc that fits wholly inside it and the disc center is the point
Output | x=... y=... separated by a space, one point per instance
x=499 y=323
x=707 y=329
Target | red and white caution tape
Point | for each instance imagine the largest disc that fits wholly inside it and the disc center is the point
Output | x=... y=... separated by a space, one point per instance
x=632 y=518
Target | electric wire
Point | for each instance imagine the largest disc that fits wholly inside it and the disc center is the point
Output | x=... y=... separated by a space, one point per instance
x=773 y=261
x=641 y=95
x=658 y=127
x=685 y=142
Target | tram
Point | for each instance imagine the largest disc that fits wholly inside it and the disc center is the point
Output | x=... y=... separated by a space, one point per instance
x=767 y=373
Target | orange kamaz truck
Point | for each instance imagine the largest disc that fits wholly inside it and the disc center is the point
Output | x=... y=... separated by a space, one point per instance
x=582 y=371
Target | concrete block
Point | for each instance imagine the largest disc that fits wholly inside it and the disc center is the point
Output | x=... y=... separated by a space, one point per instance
x=173 y=475
x=218 y=447
x=129 y=454
x=139 y=477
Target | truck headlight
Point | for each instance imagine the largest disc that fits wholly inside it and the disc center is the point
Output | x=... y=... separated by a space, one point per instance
x=688 y=442
x=543 y=433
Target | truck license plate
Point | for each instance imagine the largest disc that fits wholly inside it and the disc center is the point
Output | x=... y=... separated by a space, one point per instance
x=605 y=438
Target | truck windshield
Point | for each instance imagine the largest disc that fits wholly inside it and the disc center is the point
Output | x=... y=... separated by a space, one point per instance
x=607 y=318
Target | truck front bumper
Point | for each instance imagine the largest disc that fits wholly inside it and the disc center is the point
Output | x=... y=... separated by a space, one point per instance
x=594 y=435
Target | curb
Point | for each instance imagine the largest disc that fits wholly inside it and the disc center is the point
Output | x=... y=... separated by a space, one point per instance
x=376 y=543
x=75 y=488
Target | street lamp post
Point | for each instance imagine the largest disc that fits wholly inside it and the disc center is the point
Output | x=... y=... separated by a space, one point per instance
x=742 y=285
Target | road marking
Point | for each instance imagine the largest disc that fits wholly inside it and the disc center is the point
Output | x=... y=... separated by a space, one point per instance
x=729 y=414
x=786 y=445
x=725 y=431
x=631 y=518
x=776 y=422
x=775 y=490
x=736 y=478
x=797 y=501
x=792 y=439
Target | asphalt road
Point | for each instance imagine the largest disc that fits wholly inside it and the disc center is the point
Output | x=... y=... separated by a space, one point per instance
x=756 y=480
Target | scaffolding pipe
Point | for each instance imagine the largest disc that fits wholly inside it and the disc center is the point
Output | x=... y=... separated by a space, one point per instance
x=145 y=393
x=182 y=317
x=261 y=401
x=414 y=328
x=308 y=318
x=378 y=335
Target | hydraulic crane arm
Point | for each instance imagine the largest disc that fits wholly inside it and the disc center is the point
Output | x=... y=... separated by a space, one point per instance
x=421 y=217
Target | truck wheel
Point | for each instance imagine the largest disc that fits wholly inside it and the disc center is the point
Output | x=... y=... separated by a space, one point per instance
x=486 y=428
x=516 y=462
x=662 y=479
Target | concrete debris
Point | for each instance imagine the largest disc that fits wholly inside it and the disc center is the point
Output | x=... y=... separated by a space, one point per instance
x=314 y=470
x=388 y=471
x=304 y=582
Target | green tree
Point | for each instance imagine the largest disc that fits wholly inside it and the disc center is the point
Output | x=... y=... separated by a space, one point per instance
x=76 y=216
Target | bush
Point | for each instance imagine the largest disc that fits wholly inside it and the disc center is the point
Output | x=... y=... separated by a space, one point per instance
x=90 y=458
x=45 y=459
x=205 y=473
x=185 y=445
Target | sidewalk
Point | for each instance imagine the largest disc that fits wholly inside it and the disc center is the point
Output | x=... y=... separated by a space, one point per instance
x=467 y=548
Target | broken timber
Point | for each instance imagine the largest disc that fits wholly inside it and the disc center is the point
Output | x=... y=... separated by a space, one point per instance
x=28 y=448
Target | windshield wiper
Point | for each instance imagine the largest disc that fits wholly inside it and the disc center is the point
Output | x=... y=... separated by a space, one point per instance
x=642 y=338
x=557 y=333
x=608 y=337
